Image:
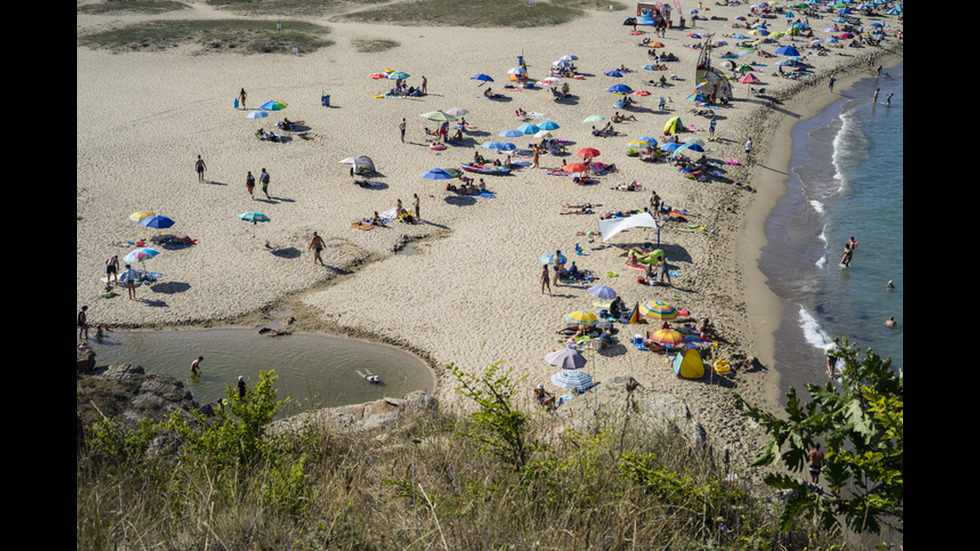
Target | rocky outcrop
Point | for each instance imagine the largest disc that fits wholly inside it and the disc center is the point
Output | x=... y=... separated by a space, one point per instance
x=369 y=416
x=622 y=399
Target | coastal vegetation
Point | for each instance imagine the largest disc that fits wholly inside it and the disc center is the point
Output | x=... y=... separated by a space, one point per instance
x=503 y=13
x=251 y=36
x=488 y=479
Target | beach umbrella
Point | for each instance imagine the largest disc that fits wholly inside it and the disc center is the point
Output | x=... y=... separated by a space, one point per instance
x=257 y=115
x=602 y=292
x=548 y=81
x=274 y=105
x=684 y=148
x=564 y=63
x=788 y=51
x=669 y=147
x=398 y=75
x=642 y=143
x=619 y=88
x=575 y=167
x=569 y=57
x=457 y=112
x=436 y=174
x=378 y=76
x=594 y=118
x=141 y=254
x=438 y=116
x=156 y=221
x=656 y=45
x=528 y=128
x=641 y=93
x=566 y=358
x=587 y=152
x=253 y=217
x=482 y=77
x=549 y=125
x=667 y=337
x=572 y=378
x=613 y=73
x=491 y=145
x=695 y=140
x=518 y=71
x=506 y=146
x=542 y=134
x=650 y=67
x=658 y=310
x=511 y=133
x=582 y=316
x=695 y=97
x=749 y=78
x=137 y=216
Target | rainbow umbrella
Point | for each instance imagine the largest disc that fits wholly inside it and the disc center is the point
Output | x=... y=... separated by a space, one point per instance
x=140 y=255
x=274 y=105
x=658 y=309
x=582 y=316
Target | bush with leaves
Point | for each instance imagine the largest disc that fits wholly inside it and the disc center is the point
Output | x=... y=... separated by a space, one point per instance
x=862 y=426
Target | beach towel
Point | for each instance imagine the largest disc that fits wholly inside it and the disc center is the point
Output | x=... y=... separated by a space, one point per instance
x=389 y=215
x=487 y=195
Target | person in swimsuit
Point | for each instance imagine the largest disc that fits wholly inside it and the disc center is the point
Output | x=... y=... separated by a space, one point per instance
x=241 y=98
x=112 y=269
x=83 y=323
x=264 y=178
x=196 y=366
x=545 y=398
x=815 y=458
x=200 y=167
x=370 y=377
x=545 y=280
x=316 y=245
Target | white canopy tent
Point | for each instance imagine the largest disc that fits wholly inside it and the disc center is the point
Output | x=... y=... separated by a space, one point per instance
x=609 y=228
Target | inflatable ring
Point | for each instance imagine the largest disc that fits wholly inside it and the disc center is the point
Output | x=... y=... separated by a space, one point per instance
x=437 y=146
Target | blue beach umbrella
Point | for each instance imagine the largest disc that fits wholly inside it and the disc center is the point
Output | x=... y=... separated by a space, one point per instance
x=528 y=128
x=156 y=221
x=511 y=133
x=436 y=174
x=602 y=291
x=788 y=51
x=257 y=115
x=619 y=88
x=483 y=77
x=616 y=74
x=253 y=217
x=398 y=75
x=549 y=125
x=140 y=255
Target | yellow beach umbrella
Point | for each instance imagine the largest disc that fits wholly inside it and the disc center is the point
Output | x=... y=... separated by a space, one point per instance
x=582 y=316
x=139 y=216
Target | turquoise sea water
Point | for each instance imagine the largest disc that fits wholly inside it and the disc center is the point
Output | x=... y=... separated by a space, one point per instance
x=846 y=180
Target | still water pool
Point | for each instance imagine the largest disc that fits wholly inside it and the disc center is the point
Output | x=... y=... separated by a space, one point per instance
x=314 y=370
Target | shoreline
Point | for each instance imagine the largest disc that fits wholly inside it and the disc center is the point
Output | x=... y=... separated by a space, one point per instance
x=469 y=294
x=765 y=306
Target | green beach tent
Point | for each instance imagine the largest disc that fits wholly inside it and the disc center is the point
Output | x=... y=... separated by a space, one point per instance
x=673 y=126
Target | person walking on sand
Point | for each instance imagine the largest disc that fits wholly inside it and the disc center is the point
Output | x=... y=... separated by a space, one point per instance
x=711 y=128
x=815 y=460
x=200 y=167
x=241 y=98
x=537 y=154
x=415 y=206
x=833 y=79
x=316 y=245
x=545 y=280
x=401 y=127
x=264 y=178
x=748 y=149
x=250 y=184
x=196 y=366
x=425 y=85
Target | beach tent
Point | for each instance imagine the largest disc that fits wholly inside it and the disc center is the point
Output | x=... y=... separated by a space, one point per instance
x=673 y=126
x=688 y=364
x=362 y=164
x=611 y=227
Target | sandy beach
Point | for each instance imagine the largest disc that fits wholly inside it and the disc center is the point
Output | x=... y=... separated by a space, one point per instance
x=471 y=293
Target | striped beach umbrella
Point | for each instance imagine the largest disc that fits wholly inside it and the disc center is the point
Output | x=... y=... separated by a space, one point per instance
x=572 y=378
x=667 y=337
x=274 y=105
x=141 y=254
x=658 y=309
x=140 y=215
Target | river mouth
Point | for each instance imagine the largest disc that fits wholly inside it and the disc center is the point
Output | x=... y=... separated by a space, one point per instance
x=314 y=370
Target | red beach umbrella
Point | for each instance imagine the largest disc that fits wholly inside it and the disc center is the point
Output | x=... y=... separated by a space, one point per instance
x=587 y=152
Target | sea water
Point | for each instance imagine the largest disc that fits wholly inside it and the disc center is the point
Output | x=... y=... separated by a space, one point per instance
x=846 y=180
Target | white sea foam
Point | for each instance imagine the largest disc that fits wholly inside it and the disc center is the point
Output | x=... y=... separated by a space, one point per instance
x=812 y=332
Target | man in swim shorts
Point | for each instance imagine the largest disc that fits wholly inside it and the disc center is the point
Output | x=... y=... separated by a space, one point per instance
x=316 y=245
x=264 y=178
x=112 y=269
x=815 y=458
x=200 y=167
